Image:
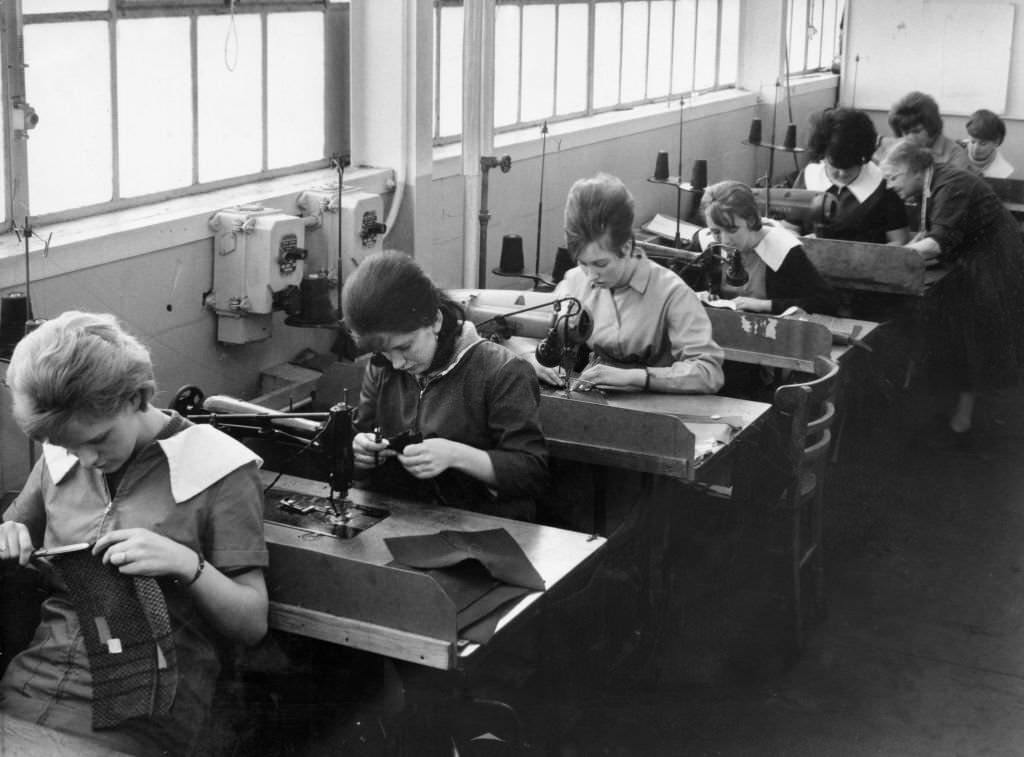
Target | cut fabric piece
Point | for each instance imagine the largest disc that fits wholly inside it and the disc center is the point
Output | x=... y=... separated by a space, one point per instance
x=480 y=571
x=127 y=632
x=495 y=549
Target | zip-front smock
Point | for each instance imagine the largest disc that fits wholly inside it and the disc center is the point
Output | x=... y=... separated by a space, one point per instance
x=485 y=397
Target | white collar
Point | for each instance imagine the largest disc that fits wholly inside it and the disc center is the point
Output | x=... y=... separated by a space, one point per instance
x=198 y=457
x=775 y=245
x=867 y=181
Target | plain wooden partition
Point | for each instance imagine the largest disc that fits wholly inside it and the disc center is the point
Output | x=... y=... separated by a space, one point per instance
x=770 y=340
x=870 y=267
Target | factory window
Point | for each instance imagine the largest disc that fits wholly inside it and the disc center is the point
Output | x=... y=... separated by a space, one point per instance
x=562 y=59
x=156 y=99
x=814 y=36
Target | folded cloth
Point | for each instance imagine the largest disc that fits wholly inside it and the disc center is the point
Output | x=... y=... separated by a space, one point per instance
x=127 y=632
x=495 y=549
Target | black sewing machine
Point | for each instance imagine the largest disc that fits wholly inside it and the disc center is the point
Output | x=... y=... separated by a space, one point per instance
x=311 y=445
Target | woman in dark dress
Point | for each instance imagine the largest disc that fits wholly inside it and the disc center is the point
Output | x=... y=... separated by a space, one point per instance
x=976 y=334
x=841 y=145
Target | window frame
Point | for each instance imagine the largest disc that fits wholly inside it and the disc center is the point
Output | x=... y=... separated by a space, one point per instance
x=677 y=90
x=336 y=106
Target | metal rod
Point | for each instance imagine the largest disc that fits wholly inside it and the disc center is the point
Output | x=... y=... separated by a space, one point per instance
x=540 y=200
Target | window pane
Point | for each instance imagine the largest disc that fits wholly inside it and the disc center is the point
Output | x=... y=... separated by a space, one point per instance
x=572 y=59
x=797 y=35
x=230 y=64
x=634 y=51
x=814 y=36
x=154 y=123
x=539 y=64
x=506 y=65
x=607 y=25
x=61 y=6
x=295 y=88
x=682 y=63
x=729 y=55
x=707 y=42
x=658 y=68
x=450 y=75
x=830 y=33
x=69 y=154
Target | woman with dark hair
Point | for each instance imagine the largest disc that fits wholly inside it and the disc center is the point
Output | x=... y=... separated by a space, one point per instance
x=985 y=133
x=780 y=275
x=976 y=334
x=650 y=331
x=841 y=144
x=465 y=409
x=915 y=116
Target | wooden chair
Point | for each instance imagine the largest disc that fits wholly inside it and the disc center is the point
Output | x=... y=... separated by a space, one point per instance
x=808 y=410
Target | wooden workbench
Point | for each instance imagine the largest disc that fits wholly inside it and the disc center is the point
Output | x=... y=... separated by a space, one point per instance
x=346 y=591
x=863 y=266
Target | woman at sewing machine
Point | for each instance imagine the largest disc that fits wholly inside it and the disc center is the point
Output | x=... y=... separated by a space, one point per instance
x=841 y=144
x=154 y=529
x=976 y=333
x=775 y=274
x=650 y=332
x=444 y=415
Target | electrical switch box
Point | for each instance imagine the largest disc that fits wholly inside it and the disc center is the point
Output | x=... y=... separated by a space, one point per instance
x=362 y=227
x=259 y=260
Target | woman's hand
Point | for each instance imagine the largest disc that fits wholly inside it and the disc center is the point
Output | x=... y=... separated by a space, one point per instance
x=431 y=457
x=925 y=246
x=753 y=304
x=548 y=375
x=368 y=453
x=141 y=552
x=15 y=542
x=601 y=376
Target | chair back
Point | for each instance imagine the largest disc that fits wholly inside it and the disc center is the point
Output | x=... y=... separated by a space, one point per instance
x=806 y=411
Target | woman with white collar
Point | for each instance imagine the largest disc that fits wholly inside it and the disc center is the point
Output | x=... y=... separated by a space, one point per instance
x=841 y=144
x=780 y=275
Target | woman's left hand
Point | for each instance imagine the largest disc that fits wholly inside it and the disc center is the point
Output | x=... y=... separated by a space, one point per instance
x=753 y=304
x=141 y=552
x=429 y=458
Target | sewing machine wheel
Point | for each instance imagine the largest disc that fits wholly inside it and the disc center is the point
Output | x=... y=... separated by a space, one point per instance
x=188 y=400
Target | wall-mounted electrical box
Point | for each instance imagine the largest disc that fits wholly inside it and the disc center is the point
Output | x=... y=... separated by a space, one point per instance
x=362 y=227
x=258 y=263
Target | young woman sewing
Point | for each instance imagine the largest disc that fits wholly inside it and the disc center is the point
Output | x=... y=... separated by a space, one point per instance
x=841 y=145
x=779 y=274
x=467 y=409
x=171 y=516
x=650 y=332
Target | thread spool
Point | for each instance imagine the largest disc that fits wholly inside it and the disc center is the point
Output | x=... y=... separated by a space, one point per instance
x=512 y=260
x=661 y=166
x=316 y=299
x=563 y=262
x=699 y=176
x=790 y=141
x=13 y=316
x=755 y=131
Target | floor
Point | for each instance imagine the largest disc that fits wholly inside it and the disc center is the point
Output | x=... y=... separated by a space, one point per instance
x=920 y=652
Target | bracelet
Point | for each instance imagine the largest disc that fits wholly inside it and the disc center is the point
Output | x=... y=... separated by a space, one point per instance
x=647 y=379
x=199 y=570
